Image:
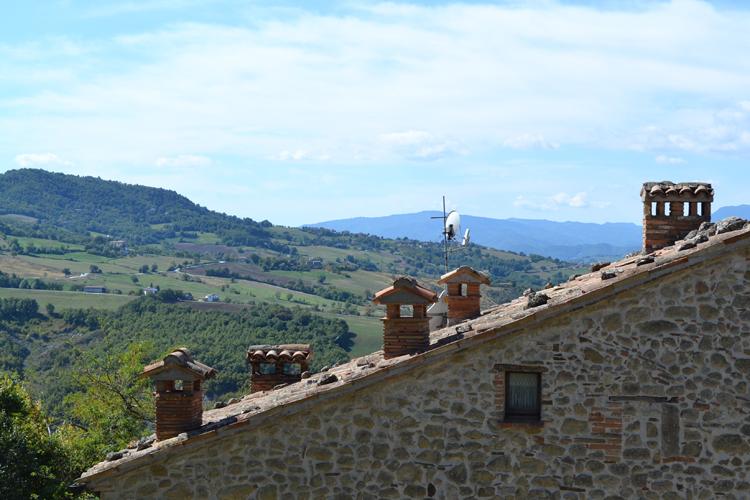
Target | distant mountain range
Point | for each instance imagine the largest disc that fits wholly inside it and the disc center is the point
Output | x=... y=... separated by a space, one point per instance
x=573 y=241
x=742 y=211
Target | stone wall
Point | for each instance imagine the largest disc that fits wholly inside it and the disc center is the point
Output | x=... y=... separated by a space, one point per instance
x=644 y=396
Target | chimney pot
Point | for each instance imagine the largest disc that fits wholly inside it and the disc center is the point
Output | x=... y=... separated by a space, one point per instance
x=661 y=229
x=463 y=306
x=179 y=397
x=277 y=365
x=405 y=335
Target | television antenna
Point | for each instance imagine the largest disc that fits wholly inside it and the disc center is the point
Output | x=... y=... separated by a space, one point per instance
x=451 y=231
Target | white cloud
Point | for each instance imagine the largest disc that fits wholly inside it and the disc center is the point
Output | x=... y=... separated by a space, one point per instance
x=183 y=161
x=420 y=145
x=40 y=159
x=447 y=79
x=119 y=8
x=300 y=155
x=522 y=202
x=561 y=200
x=669 y=160
x=292 y=155
x=724 y=130
x=529 y=141
x=577 y=200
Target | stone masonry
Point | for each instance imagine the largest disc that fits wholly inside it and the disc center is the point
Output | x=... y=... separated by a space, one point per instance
x=643 y=395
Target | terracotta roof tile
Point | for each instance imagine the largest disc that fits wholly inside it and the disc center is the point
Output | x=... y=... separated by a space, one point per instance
x=408 y=286
x=179 y=358
x=456 y=274
x=284 y=352
x=687 y=190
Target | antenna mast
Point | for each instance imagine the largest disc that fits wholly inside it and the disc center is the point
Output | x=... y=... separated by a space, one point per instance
x=445 y=235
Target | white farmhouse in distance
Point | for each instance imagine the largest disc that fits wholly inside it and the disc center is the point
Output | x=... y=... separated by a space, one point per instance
x=211 y=298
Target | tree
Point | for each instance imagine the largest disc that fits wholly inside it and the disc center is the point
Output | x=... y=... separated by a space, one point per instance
x=94 y=269
x=18 y=309
x=14 y=247
x=33 y=462
x=143 y=269
x=112 y=403
x=50 y=309
x=169 y=296
x=66 y=271
x=154 y=268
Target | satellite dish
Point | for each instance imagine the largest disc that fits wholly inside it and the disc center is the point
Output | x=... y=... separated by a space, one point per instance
x=451 y=229
x=452 y=225
x=467 y=237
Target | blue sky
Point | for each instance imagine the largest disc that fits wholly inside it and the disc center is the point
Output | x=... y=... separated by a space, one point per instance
x=300 y=112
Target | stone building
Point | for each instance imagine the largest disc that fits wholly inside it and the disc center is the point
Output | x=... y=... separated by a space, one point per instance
x=629 y=381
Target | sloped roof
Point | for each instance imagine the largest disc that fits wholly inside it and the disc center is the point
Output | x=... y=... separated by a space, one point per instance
x=262 y=407
x=405 y=291
x=464 y=274
x=179 y=361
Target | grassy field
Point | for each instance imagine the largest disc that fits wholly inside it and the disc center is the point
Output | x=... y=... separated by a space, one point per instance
x=331 y=254
x=357 y=282
x=369 y=332
x=124 y=274
x=41 y=243
x=68 y=300
x=120 y=273
x=19 y=218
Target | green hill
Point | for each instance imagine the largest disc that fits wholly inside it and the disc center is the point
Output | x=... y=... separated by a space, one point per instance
x=80 y=205
x=92 y=213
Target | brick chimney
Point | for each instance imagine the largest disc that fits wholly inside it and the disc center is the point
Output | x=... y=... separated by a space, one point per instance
x=179 y=397
x=271 y=365
x=671 y=211
x=463 y=293
x=404 y=334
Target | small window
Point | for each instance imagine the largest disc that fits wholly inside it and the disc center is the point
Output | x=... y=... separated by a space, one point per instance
x=292 y=369
x=267 y=368
x=523 y=396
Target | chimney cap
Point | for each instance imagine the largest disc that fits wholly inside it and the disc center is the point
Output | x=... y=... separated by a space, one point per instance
x=405 y=291
x=262 y=353
x=178 y=365
x=464 y=274
x=681 y=191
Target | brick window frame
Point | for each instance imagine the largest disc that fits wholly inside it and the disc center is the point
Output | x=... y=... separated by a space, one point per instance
x=501 y=379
